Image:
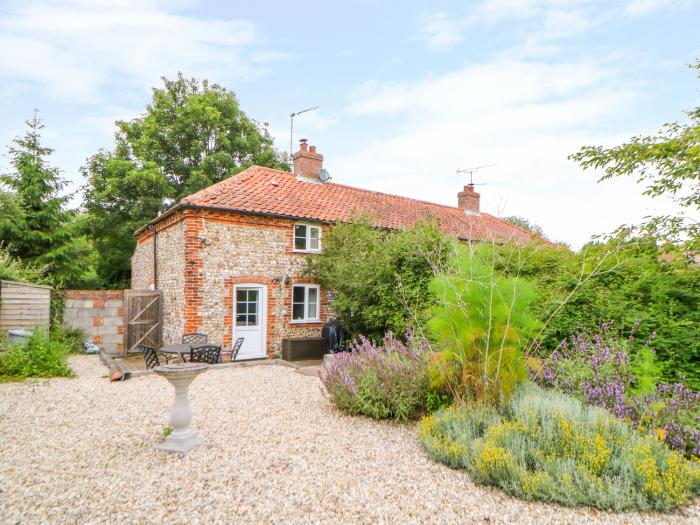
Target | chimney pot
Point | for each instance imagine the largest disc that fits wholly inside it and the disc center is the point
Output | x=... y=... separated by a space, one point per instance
x=312 y=149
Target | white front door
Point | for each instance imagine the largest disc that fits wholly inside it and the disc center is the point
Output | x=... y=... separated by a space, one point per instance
x=249 y=317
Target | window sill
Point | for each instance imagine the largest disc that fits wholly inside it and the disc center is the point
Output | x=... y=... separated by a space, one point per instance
x=294 y=250
x=305 y=321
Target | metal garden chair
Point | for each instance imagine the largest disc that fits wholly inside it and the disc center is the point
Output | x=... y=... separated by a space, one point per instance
x=195 y=339
x=205 y=354
x=233 y=353
x=150 y=356
x=236 y=348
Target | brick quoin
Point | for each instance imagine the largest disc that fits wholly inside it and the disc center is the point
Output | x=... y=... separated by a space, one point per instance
x=98 y=321
x=194 y=265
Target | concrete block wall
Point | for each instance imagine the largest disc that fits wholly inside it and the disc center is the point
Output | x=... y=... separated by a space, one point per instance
x=99 y=314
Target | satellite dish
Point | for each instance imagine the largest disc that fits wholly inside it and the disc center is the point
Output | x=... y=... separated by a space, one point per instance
x=324 y=175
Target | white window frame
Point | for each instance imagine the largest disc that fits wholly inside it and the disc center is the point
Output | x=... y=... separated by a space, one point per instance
x=306 y=318
x=307 y=242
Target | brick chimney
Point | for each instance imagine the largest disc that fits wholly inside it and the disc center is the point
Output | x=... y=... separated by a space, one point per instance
x=308 y=163
x=468 y=199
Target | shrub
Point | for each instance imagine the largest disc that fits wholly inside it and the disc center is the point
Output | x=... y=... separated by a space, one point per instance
x=635 y=282
x=380 y=279
x=71 y=337
x=545 y=445
x=41 y=355
x=12 y=269
x=387 y=381
x=481 y=322
x=605 y=369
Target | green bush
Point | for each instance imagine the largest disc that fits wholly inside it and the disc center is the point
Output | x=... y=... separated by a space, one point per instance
x=71 y=337
x=544 y=445
x=380 y=279
x=41 y=355
x=634 y=284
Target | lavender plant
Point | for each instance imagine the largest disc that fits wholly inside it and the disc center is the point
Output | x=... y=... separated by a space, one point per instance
x=602 y=369
x=383 y=381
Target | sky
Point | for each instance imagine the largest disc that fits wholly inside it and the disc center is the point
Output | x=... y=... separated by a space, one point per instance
x=408 y=92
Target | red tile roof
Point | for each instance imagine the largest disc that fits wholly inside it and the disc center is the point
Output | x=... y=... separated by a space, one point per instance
x=275 y=192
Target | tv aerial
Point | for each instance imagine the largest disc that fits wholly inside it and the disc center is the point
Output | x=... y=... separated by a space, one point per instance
x=291 y=127
x=472 y=171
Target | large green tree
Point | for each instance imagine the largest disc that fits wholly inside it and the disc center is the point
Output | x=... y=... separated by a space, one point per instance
x=192 y=134
x=36 y=225
x=669 y=164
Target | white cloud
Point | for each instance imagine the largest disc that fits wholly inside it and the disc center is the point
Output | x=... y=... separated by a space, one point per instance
x=542 y=21
x=525 y=116
x=440 y=31
x=72 y=49
x=645 y=7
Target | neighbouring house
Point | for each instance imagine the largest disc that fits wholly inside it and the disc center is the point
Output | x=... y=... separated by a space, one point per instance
x=229 y=259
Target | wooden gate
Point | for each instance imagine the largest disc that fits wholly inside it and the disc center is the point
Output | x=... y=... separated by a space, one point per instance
x=143 y=310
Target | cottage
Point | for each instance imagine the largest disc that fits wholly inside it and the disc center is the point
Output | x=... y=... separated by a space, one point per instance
x=229 y=259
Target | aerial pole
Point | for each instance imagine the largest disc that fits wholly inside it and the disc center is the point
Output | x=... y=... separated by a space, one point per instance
x=472 y=171
x=291 y=128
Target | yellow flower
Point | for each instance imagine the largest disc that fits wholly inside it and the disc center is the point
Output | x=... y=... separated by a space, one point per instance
x=660 y=434
x=493 y=458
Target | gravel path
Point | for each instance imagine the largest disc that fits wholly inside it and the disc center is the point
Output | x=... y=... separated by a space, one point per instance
x=81 y=450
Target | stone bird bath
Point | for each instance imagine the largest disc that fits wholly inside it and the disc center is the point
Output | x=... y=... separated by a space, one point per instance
x=182 y=439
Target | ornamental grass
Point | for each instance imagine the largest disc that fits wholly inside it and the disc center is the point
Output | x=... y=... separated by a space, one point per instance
x=545 y=445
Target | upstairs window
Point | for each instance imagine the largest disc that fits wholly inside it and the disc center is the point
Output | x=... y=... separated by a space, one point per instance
x=307 y=238
x=305 y=302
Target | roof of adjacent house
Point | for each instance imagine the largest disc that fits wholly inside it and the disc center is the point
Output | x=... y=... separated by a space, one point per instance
x=274 y=192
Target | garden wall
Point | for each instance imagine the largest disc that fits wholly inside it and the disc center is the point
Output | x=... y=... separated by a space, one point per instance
x=24 y=306
x=99 y=314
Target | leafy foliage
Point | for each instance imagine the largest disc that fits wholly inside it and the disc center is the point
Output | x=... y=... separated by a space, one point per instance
x=35 y=223
x=41 y=355
x=192 y=134
x=544 y=445
x=380 y=279
x=634 y=284
x=604 y=369
x=525 y=224
x=12 y=269
x=481 y=321
x=669 y=164
x=387 y=381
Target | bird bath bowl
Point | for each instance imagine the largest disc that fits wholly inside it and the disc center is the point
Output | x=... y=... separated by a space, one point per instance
x=182 y=439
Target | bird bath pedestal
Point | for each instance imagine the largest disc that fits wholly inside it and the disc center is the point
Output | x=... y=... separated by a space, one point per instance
x=182 y=439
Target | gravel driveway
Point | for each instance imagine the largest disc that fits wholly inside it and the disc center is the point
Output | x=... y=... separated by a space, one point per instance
x=81 y=450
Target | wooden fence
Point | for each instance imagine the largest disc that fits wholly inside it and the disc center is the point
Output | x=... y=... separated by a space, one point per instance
x=24 y=306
